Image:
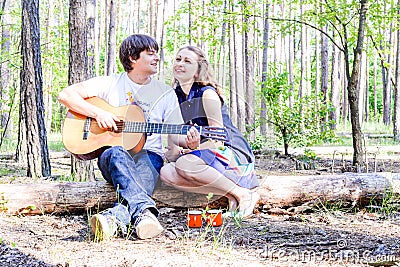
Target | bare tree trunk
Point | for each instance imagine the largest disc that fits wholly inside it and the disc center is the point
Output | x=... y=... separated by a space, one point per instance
x=131 y=18
x=5 y=73
x=302 y=86
x=386 y=78
x=335 y=87
x=232 y=75
x=291 y=48
x=249 y=78
x=324 y=69
x=263 y=113
x=91 y=37
x=345 y=82
x=48 y=73
x=222 y=52
x=190 y=22
x=366 y=100
x=162 y=57
x=78 y=71
x=396 y=116
x=358 y=159
x=32 y=87
x=103 y=34
x=112 y=39
x=375 y=89
x=240 y=90
x=138 y=16
x=361 y=89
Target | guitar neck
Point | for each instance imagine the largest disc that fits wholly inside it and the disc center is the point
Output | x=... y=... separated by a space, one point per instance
x=160 y=128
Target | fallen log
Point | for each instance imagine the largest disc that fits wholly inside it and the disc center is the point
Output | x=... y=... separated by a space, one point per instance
x=275 y=191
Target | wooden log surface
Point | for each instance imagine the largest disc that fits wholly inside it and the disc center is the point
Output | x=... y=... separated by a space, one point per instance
x=275 y=191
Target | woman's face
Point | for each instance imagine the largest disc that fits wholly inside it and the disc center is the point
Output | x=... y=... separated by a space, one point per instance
x=186 y=66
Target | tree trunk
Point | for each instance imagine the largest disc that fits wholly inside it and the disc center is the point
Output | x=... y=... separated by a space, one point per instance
x=353 y=95
x=32 y=87
x=240 y=90
x=162 y=57
x=324 y=69
x=78 y=71
x=48 y=72
x=138 y=16
x=350 y=189
x=5 y=72
x=91 y=37
x=190 y=22
x=291 y=57
x=249 y=78
x=302 y=86
x=362 y=87
x=396 y=116
x=366 y=100
x=263 y=112
x=386 y=78
x=232 y=75
x=375 y=89
x=335 y=88
x=112 y=39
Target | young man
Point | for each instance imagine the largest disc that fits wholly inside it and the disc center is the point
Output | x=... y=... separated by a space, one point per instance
x=134 y=176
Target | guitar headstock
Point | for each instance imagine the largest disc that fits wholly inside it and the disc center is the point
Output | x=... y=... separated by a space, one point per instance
x=216 y=133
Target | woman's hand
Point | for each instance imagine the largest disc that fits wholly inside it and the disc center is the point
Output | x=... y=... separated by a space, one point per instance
x=192 y=139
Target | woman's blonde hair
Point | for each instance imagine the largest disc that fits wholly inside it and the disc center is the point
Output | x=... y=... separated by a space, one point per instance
x=205 y=76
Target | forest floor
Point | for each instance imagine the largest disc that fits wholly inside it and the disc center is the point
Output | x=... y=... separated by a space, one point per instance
x=322 y=236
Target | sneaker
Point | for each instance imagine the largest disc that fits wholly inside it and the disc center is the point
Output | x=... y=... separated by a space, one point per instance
x=147 y=225
x=104 y=227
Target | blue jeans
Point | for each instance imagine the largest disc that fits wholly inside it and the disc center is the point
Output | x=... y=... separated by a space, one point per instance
x=134 y=178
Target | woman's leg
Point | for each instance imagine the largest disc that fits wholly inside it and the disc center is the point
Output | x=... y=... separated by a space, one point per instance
x=190 y=173
x=171 y=177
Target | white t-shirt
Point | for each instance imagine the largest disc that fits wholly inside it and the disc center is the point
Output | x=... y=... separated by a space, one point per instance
x=157 y=100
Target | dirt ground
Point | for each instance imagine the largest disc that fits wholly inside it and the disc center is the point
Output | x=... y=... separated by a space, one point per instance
x=320 y=236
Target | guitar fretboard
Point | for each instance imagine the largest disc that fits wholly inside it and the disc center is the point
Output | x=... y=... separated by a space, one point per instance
x=160 y=128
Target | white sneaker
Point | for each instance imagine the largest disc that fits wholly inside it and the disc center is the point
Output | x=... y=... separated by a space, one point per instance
x=104 y=227
x=147 y=225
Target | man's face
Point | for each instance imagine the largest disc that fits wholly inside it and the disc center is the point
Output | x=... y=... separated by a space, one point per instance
x=147 y=63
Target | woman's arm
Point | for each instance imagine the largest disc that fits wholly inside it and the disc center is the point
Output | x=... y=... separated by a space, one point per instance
x=212 y=107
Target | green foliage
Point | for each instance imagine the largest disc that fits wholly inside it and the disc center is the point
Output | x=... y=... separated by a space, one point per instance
x=297 y=120
x=310 y=154
x=258 y=143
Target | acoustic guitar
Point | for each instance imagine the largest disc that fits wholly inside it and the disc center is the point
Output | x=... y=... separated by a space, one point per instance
x=83 y=137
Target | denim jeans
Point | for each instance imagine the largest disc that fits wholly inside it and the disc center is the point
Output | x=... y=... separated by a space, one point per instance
x=134 y=178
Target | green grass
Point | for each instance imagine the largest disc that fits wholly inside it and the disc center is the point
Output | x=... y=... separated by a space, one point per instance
x=367 y=128
x=4 y=172
x=54 y=143
x=375 y=127
x=346 y=141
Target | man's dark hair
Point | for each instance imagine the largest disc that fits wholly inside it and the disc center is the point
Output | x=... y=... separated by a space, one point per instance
x=132 y=46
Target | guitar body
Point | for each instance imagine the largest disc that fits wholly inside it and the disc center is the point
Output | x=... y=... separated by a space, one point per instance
x=99 y=139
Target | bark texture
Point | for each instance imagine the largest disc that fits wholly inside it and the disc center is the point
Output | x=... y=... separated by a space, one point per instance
x=351 y=189
x=32 y=90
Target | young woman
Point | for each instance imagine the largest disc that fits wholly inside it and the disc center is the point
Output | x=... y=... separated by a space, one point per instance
x=209 y=166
